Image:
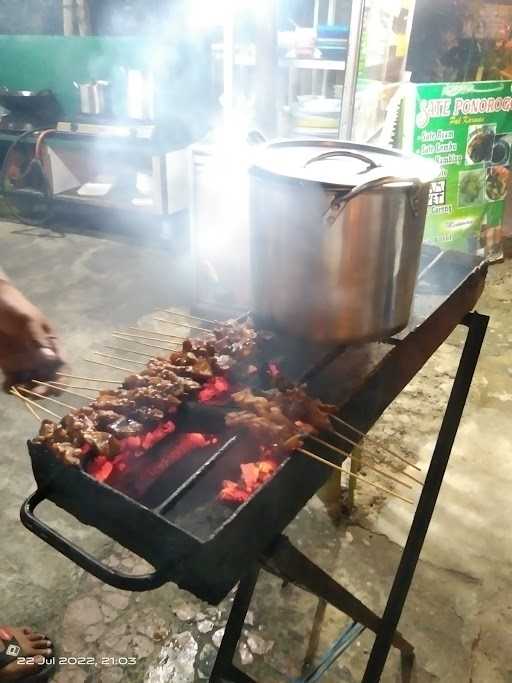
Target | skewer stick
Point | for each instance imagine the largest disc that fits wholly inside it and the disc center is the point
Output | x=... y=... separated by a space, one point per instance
x=371 y=440
x=109 y=365
x=117 y=335
x=355 y=476
x=125 y=350
x=366 y=452
x=189 y=315
x=47 y=398
x=161 y=334
x=142 y=336
x=128 y=360
x=33 y=403
x=192 y=327
x=358 y=459
x=58 y=385
x=27 y=405
x=65 y=391
x=87 y=379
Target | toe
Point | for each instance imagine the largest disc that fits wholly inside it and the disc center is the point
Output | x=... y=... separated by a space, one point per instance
x=36 y=636
x=40 y=644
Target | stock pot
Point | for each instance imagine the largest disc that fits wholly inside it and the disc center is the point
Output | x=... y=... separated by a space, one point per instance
x=336 y=233
x=95 y=97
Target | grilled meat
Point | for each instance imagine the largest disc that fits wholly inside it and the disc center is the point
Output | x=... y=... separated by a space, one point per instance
x=46 y=430
x=298 y=406
x=269 y=429
x=145 y=399
x=281 y=418
x=103 y=443
x=69 y=454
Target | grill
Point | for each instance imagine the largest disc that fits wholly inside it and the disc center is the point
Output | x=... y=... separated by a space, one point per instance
x=197 y=542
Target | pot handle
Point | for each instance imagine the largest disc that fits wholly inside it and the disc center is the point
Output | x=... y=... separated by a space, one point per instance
x=345 y=153
x=81 y=557
x=341 y=200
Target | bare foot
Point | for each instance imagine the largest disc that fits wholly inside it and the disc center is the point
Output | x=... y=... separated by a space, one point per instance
x=32 y=644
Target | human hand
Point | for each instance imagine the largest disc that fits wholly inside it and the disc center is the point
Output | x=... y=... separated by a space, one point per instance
x=28 y=344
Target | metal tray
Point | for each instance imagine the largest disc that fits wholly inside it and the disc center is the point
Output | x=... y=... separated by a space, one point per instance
x=190 y=538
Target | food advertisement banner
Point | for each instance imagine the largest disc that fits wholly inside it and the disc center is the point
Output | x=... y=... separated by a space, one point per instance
x=467 y=129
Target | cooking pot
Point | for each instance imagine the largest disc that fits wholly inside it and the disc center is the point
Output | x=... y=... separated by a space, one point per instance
x=95 y=97
x=336 y=232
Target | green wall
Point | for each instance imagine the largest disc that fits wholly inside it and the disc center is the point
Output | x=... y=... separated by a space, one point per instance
x=40 y=62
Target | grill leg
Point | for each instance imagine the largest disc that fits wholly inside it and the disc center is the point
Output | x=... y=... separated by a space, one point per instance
x=477 y=325
x=285 y=561
x=314 y=638
x=224 y=670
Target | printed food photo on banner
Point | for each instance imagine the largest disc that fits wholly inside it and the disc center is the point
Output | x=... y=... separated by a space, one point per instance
x=471 y=187
x=480 y=144
x=501 y=149
x=496 y=183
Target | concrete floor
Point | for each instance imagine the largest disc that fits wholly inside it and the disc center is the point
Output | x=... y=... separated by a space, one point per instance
x=460 y=607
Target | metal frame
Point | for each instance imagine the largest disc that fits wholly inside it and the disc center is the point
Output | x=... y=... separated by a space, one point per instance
x=351 y=70
x=286 y=562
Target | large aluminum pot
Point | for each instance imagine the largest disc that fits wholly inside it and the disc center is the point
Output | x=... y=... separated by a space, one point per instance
x=336 y=233
x=95 y=97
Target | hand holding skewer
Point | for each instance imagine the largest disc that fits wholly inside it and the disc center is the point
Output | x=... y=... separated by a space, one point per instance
x=29 y=347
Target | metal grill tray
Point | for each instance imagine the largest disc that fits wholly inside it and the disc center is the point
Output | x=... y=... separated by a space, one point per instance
x=189 y=540
x=194 y=540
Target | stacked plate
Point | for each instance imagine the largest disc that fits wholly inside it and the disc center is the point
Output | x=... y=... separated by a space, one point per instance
x=313 y=115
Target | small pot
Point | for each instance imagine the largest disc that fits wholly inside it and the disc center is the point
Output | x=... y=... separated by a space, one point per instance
x=95 y=97
x=336 y=234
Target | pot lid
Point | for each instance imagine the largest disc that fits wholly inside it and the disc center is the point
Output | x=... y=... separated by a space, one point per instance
x=340 y=164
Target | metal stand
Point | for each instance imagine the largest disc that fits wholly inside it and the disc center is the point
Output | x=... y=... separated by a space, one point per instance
x=286 y=562
x=477 y=326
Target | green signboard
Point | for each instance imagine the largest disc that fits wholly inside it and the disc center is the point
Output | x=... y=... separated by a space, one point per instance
x=467 y=129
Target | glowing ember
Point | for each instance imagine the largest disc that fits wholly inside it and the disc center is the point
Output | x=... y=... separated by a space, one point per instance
x=184 y=444
x=100 y=468
x=215 y=388
x=254 y=474
x=130 y=449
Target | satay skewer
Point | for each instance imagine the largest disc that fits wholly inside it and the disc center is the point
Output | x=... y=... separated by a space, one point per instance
x=127 y=360
x=47 y=398
x=88 y=379
x=192 y=327
x=64 y=391
x=162 y=334
x=371 y=440
x=27 y=405
x=189 y=315
x=125 y=350
x=365 y=451
x=142 y=336
x=358 y=459
x=355 y=476
x=58 y=385
x=118 y=335
x=33 y=403
x=109 y=365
